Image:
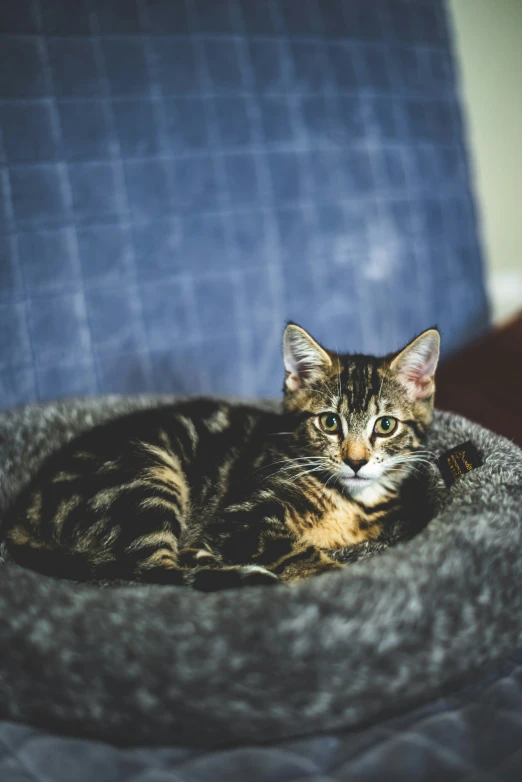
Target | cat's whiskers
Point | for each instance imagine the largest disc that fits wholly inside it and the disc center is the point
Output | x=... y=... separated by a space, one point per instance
x=402 y=462
x=339 y=375
x=327 y=393
x=288 y=460
x=423 y=459
x=306 y=472
x=331 y=478
x=312 y=460
x=395 y=459
x=407 y=462
x=379 y=395
x=303 y=462
x=300 y=466
x=400 y=470
x=420 y=454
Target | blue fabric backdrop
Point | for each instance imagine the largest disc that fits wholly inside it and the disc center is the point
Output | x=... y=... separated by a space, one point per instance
x=179 y=178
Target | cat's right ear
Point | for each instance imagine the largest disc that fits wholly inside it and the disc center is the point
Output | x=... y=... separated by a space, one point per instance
x=304 y=358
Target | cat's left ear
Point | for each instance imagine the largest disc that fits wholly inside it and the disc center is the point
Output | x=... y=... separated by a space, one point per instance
x=305 y=359
x=414 y=367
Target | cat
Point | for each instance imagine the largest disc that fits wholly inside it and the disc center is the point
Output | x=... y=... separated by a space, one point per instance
x=214 y=494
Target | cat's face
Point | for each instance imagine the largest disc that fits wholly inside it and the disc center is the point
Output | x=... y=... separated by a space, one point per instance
x=362 y=419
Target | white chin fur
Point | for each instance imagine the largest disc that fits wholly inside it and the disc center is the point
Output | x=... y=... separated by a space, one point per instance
x=367 y=491
x=356 y=485
x=370 y=472
x=368 y=485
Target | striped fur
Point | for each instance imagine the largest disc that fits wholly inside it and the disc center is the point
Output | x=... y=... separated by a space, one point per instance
x=216 y=495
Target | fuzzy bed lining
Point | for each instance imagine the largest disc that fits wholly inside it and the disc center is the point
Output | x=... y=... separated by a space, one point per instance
x=160 y=665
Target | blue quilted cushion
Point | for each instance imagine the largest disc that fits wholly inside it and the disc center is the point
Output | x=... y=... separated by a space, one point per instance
x=179 y=178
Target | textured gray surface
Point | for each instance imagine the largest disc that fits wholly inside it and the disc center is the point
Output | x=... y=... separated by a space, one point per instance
x=161 y=665
x=471 y=735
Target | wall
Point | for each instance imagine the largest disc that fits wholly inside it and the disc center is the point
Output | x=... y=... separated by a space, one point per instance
x=488 y=40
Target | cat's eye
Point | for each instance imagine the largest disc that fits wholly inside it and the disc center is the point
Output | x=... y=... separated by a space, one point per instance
x=330 y=422
x=385 y=426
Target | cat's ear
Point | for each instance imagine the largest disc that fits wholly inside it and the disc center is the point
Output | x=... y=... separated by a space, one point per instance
x=414 y=367
x=304 y=358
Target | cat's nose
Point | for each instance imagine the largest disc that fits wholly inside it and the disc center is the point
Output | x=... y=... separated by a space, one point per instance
x=356 y=464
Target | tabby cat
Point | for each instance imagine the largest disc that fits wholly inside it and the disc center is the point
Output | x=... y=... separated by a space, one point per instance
x=215 y=494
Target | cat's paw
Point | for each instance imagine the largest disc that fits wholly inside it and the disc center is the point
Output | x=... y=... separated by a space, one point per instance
x=210 y=580
x=254 y=575
x=196 y=557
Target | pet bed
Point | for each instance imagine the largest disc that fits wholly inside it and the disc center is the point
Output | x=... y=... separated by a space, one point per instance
x=147 y=665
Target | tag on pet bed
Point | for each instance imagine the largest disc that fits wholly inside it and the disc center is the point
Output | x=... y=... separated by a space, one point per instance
x=458 y=461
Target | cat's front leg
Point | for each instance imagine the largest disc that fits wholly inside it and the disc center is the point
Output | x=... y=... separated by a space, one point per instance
x=207 y=573
x=264 y=539
x=215 y=579
x=301 y=562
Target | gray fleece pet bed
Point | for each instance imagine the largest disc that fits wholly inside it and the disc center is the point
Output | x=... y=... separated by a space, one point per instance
x=162 y=665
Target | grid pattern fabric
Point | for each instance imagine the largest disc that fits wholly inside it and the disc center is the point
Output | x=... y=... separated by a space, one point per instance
x=178 y=178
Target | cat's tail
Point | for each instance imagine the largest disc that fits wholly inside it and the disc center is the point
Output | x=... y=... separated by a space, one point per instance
x=66 y=564
x=55 y=562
